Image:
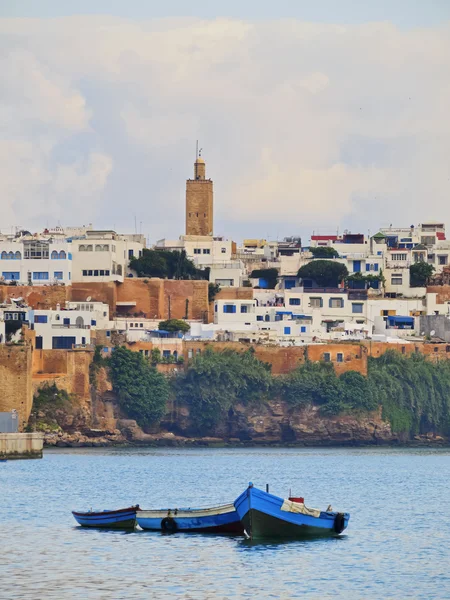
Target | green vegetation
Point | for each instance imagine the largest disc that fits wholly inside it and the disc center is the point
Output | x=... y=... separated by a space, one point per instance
x=270 y=275
x=48 y=403
x=213 y=290
x=324 y=252
x=414 y=392
x=368 y=280
x=317 y=383
x=97 y=362
x=141 y=390
x=325 y=273
x=174 y=325
x=214 y=382
x=167 y=264
x=420 y=274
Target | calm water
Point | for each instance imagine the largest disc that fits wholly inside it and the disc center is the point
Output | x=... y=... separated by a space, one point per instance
x=397 y=544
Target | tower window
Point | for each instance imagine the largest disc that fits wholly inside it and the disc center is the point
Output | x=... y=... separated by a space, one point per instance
x=196 y=214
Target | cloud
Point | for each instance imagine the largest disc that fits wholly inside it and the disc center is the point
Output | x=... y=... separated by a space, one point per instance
x=304 y=126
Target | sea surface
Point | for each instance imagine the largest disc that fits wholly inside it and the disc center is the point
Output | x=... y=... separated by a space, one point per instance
x=397 y=544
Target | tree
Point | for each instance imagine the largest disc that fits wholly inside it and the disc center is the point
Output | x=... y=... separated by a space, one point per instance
x=324 y=252
x=167 y=264
x=325 y=273
x=141 y=390
x=420 y=274
x=213 y=290
x=216 y=381
x=270 y=275
x=174 y=325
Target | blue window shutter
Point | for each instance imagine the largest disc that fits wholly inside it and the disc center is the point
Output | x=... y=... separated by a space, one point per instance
x=233 y=309
x=93 y=322
x=375 y=267
x=303 y=329
x=287 y=330
x=367 y=267
x=321 y=302
x=66 y=321
x=357 y=266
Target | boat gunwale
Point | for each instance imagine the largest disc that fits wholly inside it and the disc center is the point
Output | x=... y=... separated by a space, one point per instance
x=107 y=513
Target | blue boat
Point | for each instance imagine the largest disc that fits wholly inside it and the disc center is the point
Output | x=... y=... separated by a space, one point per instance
x=264 y=515
x=124 y=518
x=218 y=519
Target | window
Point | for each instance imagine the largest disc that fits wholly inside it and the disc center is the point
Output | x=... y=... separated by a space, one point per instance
x=259 y=318
x=289 y=284
x=316 y=302
x=63 y=343
x=36 y=250
x=336 y=303
x=95 y=272
x=62 y=255
x=66 y=321
x=12 y=275
x=85 y=248
x=4 y=255
x=108 y=334
x=54 y=255
x=357 y=307
x=442 y=260
x=197 y=251
x=84 y=273
x=40 y=275
x=223 y=250
x=287 y=331
x=375 y=266
x=141 y=324
x=326 y=356
x=368 y=267
x=400 y=257
x=229 y=308
x=58 y=274
x=244 y=308
x=206 y=251
x=130 y=254
x=294 y=301
x=93 y=322
x=302 y=329
x=40 y=318
x=107 y=272
x=396 y=280
x=340 y=357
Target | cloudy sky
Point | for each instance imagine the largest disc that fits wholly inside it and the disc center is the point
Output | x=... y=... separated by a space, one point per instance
x=310 y=118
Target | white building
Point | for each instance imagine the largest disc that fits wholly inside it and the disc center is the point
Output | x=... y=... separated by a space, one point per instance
x=65 y=328
x=104 y=256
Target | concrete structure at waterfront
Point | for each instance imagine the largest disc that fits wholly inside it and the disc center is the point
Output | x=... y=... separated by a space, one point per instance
x=21 y=445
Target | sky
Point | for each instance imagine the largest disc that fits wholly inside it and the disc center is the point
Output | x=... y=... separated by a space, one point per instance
x=313 y=116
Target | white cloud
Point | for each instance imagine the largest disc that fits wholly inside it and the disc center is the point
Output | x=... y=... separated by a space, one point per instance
x=303 y=125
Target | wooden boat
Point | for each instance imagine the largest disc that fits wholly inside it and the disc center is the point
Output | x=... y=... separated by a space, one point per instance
x=124 y=518
x=218 y=519
x=264 y=515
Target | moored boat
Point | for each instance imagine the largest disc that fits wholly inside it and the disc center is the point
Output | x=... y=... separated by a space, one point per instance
x=124 y=518
x=264 y=515
x=217 y=519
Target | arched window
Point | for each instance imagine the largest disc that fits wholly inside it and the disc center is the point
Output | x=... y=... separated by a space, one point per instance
x=82 y=248
x=62 y=255
x=267 y=318
x=4 y=255
x=57 y=318
x=119 y=269
x=79 y=322
x=11 y=256
x=54 y=255
x=18 y=255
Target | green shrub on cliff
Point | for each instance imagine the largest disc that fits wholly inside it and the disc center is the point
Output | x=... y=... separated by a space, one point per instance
x=317 y=383
x=216 y=381
x=142 y=391
x=414 y=392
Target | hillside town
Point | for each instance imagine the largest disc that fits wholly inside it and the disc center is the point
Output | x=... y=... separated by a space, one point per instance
x=65 y=291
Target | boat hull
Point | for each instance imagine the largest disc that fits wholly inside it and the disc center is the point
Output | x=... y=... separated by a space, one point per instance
x=119 y=519
x=262 y=517
x=221 y=519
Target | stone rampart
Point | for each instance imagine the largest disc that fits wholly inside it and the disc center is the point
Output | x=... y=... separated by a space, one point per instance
x=15 y=380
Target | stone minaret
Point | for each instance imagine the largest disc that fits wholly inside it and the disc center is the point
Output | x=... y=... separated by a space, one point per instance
x=199 y=201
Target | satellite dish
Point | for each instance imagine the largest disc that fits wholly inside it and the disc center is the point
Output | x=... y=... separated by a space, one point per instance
x=432 y=332
x=88 y=299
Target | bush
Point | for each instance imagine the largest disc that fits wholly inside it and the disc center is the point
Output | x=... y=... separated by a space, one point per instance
x=174 y=325
x=420 y=274
x=324 y=252
x=215 y=381
x=167 y=264
x=270 y=275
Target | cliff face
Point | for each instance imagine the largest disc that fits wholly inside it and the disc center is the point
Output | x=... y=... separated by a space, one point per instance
x=100 y=422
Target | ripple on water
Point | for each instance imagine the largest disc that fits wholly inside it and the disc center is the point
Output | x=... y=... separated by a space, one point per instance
x=396 y=545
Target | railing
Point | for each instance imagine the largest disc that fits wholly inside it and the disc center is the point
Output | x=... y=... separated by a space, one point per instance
x=68 y=326
x=398 y=264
